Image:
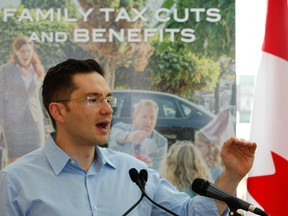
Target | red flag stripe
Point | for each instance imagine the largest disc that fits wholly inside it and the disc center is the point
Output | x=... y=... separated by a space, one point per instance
x=276 y=34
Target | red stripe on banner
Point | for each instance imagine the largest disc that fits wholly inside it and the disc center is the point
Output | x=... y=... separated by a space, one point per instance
x=276 y=33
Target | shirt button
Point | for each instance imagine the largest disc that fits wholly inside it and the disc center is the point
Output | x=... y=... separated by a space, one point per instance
x=72 y=161
x=95 y=207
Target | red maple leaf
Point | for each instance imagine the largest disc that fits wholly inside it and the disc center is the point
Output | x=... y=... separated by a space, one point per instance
x=271 y=191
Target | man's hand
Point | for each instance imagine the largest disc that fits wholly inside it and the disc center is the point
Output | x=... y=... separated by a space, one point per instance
x=136 y=137
x=238 y=156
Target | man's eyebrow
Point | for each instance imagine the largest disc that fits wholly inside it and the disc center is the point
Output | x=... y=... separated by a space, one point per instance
x=98 y=94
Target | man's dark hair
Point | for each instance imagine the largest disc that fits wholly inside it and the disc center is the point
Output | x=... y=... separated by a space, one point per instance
x=58 y=82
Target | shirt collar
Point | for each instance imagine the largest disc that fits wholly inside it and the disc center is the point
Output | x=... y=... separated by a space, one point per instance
x=58 y=158
x=103 y=157
x=55 y=155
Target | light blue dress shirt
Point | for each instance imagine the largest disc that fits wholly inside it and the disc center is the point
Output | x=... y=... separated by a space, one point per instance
x=47 y=182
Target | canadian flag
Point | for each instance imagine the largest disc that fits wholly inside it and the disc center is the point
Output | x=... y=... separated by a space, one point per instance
x=268 y=179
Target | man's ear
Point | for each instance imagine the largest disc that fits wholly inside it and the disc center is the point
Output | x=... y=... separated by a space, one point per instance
x=57 y=111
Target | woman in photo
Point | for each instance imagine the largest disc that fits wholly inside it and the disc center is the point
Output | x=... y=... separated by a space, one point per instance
x=21 y=112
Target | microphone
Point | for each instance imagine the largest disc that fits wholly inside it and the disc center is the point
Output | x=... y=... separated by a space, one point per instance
x=140 y=180
x=134 y=176
x=143 y=177
x=205 y=188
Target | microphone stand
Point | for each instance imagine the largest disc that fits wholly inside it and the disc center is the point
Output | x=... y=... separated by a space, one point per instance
x=134 y=206
x=158 y=205
x=140 y=181
x=232 y=203
x=234 y=212
x=143 y=175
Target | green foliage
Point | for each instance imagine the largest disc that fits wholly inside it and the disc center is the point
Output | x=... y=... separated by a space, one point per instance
x=127 y=78
x=212 y=39
x=47 y=4
x=182 y=73
x=175 y=72
x=130 y=3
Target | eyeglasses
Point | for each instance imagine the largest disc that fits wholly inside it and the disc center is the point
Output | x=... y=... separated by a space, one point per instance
x=94 y=100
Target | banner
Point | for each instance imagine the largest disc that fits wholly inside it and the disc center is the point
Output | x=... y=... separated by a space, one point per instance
x=180 y=55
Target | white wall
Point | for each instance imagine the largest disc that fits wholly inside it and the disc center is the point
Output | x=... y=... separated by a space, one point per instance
x=250 y=25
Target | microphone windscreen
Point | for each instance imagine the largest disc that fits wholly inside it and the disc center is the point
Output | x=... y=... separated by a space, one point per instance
x=144 y=175
x=134 y=175
x=200 y=186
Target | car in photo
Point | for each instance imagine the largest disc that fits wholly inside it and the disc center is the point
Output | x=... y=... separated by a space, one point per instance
x=178 y=118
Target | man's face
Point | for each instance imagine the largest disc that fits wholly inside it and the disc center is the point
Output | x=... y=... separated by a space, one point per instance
x=85 y=122
x=145 y=119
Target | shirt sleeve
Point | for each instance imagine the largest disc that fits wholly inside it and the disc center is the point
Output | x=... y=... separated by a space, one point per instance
x=8 y=205
x=203 y=206
x=178 y=202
